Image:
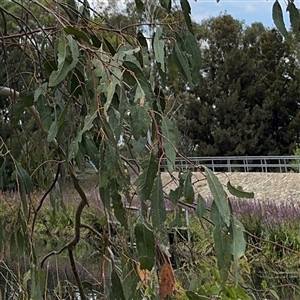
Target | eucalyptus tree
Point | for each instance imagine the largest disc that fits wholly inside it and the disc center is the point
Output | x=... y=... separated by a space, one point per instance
x=83 y=92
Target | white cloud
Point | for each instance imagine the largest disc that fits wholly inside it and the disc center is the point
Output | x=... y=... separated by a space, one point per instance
x=250 y=8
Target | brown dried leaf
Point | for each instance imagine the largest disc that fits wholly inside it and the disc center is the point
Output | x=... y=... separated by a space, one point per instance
x=167 y=281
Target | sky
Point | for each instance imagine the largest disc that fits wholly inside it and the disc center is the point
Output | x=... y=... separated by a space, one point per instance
x=248 y=10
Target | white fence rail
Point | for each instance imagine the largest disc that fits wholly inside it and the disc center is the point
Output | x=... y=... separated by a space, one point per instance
x=282 y=164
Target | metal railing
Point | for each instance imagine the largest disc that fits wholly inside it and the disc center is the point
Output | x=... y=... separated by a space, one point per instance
x=282 y=164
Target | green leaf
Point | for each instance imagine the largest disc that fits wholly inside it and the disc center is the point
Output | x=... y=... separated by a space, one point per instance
x=110 y=92
x=278 y=18
x=146 y=178
x=77 y=33
x=222 y=241
x=66 y=47
x=175 y=195
x=238 y=192
x=201 y=207
x=91 y=149
x=169 y=130
x=130 y=280
x=119 y=209
x=219 y=195
x=142 y=40
x=193 y=49
x=145 y=246
x=24 y=179
x=188 y=190
x=186 y=9
x=116 y=287
x=62 y=65
x=52 y=131
x=139 y=122
x=182 y=63
x=158 y=208
x=238 y=244
x=159 y=48
x=74 y=52
x=294 y=16
x=88 y=124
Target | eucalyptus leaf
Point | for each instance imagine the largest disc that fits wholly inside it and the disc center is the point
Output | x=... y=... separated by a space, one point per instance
x=238 y=192
x=158 y=208
x=223 y=242
x=278 y=18
x=238 y=244
x=145 y=246
x=219 y=195
x=170 y=142
x=186 y=9
x=159 y=48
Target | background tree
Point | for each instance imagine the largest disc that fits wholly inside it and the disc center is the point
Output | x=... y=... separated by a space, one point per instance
x=251 y=108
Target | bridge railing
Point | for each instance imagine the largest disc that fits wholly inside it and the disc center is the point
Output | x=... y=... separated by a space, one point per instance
x=283 y=164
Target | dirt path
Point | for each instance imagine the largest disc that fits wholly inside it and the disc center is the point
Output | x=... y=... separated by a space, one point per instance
x=275 y=186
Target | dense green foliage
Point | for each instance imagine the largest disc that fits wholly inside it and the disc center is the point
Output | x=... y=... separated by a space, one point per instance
x=247 y=102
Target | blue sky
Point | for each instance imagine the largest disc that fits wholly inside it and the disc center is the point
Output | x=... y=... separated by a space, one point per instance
x=248 y=10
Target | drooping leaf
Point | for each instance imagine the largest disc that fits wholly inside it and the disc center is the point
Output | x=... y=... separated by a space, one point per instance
x=142 y=40
x=71 y=10
x=167 y=281
x=192 y=48
x=119 y=209
x=24 y=178
x=91 y=149
x=182 y=63
x=77 y=33
x=188 y=190
x=238 y=243
x=186 y=9
x=146 y=178
x=62 y=64
x=238 y=192
x=219 y=195
x=175 y=195
x=74 y=51
x=139 y=121
x=88 y=124
x=158 y=208
x=130 y=280
x=159 y=48
x=201 y=207
x=52 y=131
x=278 y=18
x=223 y=242
x=170 y=141
x=67 y=48
x=294 y=16
x=117 y=292
x=110 y=92
x=145 y=245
